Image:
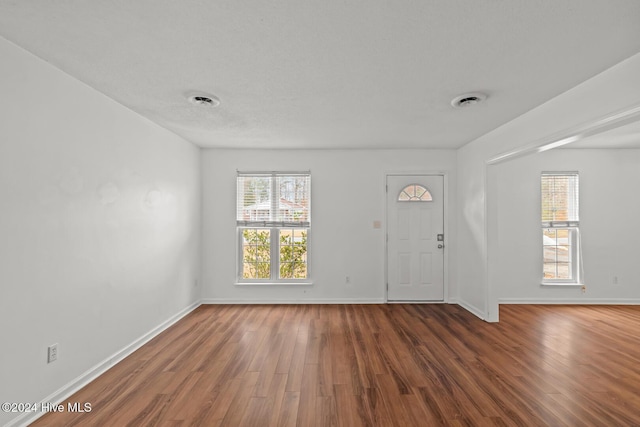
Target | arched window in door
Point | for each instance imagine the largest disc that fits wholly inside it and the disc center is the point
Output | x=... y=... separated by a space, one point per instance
x=414 y=193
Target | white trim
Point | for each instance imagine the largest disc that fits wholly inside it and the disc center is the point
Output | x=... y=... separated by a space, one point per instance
x=447 y=234
x=571 y=301
x=567 y=136
x=385 y=236
x=335 y=301
x=489 y=315
x=268 y=173
x=412 y=172
x=472 y=309
x=76 y=384
x=223 y=301
x=416 y=301
x=291 y=283
x=557 y=283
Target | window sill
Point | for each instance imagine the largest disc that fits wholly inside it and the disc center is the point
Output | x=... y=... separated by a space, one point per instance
x=273 y=284
x=554 y=284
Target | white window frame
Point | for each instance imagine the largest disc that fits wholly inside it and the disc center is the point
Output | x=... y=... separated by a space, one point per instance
x=572 y=225
x=275 y=225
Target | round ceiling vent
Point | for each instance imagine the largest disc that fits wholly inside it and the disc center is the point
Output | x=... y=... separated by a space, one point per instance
x=468 y=99
x=204 y=100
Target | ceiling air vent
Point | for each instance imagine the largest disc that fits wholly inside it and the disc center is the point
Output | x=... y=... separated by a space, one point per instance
x=204 y=100
x=468 y=99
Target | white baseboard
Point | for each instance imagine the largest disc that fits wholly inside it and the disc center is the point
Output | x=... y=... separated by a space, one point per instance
x=571 y=301
x=73 y=386
x=472 y=309
x=293 y=301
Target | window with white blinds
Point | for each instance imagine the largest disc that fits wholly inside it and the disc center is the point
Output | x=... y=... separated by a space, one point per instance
x=273 y=220
x=560 y=201
x=560 y=228
x=274 y=199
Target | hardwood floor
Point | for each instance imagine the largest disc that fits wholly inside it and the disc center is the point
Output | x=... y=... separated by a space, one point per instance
x=376 y=365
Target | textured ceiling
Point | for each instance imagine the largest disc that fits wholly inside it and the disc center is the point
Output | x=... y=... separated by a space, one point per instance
x=327 y=74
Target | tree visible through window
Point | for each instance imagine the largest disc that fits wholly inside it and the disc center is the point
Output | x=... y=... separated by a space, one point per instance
x=273 y=221
x=560 y=227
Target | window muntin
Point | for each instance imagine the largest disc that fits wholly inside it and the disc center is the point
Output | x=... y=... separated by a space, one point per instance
x=560 y=227
x=414 y=193
x=273 y=222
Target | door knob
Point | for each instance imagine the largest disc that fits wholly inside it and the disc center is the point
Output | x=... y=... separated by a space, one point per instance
x=440 y=246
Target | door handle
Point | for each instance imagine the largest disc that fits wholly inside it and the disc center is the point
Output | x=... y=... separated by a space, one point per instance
x=440 y=246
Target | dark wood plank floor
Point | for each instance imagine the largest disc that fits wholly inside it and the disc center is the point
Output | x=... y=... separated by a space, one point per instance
x=376 y=365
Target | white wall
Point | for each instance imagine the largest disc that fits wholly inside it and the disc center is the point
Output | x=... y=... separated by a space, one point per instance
x=609 y=212
x=610 y=91
x=99 y=227
x=347 y=196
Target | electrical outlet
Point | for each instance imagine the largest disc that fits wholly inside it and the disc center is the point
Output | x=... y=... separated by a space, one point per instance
x=52 y=353
x=347 y=279
x=584 y=289
x=615 y=280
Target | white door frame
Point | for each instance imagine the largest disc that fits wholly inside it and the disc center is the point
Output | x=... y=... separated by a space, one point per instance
x=447 y=236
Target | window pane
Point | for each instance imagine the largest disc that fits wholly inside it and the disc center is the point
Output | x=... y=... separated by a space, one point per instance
x=550 y=270
x=550 y=254
x=549 y=237
x=414 y=193
x=293 y=253
x=254 y=198
x=563 y=253
x=293 y=198
x=557 y=253
x=256 y=248
x=564 y=271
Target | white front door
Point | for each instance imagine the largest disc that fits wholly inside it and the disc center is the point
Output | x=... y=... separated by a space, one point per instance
x=415 y=233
